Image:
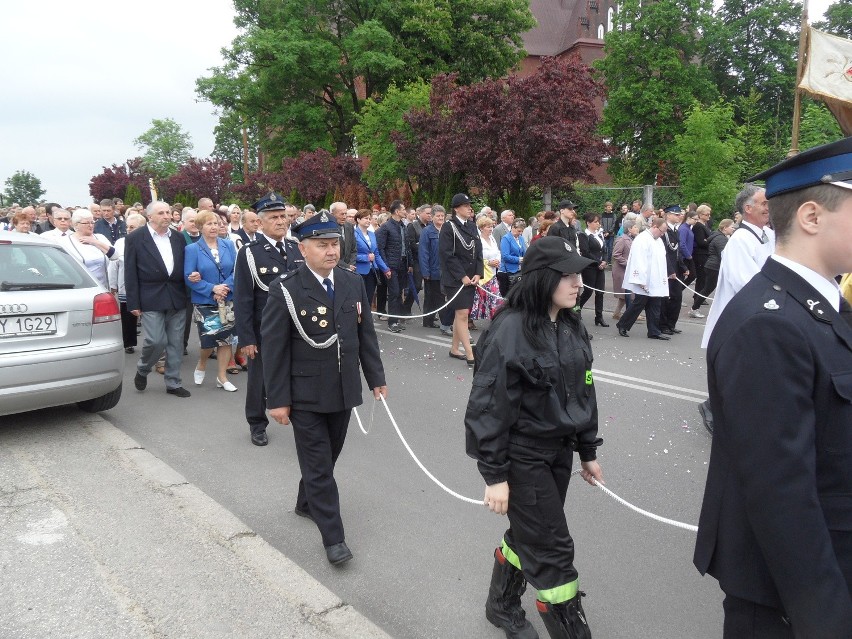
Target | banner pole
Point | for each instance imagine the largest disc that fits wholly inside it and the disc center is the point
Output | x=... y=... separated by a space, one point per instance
x=800 y=69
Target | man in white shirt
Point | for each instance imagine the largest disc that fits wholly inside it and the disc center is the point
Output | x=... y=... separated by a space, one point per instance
x=742 y=258
x=61 y=223
x=646 y=275
x=507 y=218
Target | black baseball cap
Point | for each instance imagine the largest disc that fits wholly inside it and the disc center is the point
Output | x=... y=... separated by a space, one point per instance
x=555 y=253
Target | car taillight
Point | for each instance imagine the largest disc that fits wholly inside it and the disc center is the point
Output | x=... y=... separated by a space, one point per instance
x=105 y=309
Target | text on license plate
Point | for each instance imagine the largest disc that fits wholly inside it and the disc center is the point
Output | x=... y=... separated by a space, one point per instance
x=18 y=325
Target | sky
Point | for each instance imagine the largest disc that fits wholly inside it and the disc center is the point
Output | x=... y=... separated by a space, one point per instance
x=81 y=80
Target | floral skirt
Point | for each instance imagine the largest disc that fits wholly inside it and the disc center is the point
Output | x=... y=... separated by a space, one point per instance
x=213 y=329
x=485 y=305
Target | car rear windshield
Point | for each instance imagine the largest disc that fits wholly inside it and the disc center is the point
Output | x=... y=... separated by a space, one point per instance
x=36 y=267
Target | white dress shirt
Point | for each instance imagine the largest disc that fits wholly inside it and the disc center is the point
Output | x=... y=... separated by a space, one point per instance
x=646 y=266
x=164 y=246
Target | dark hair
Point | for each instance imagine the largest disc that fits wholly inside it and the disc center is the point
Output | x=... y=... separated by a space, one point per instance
x=395 y=205
x=363 y=213
x=532 y=296
x=591 y=217
x=783 y=207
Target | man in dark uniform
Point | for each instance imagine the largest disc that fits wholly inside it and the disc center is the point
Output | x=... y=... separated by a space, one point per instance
x=775 y=522
x=564 y=226
x=316 y=331
x=677 y=269
x=258 y=265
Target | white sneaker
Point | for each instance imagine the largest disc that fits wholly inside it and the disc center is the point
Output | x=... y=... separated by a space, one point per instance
x=228 y=386
x=696 y=314
x=198 y=377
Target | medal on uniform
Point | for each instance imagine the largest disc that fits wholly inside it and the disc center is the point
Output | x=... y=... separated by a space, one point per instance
x=313 y=318
x=321 y=310
x=303 y=313
x=274 y=269
x=263 y=270
x=323 y=323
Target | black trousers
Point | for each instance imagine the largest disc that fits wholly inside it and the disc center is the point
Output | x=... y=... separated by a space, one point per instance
x=128 y=326
x=432 y=298
x=749 y=620
x=319 y=440
x=370 y=283
x=382 y=295
x=651 y=306
x=256 y=394
x=538 y=531
x=671 y=307
x=711 y=278
x=596 y=278
x=700 y=274
x=397 y=287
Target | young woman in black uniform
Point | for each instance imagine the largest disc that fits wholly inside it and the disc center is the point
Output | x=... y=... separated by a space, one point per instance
x=532 y=404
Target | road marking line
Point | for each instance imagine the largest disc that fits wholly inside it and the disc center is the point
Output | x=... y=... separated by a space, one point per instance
x=602 y=376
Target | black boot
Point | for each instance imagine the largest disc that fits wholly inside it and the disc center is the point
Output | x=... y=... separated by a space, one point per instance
x=565 y=620
x=503 y=607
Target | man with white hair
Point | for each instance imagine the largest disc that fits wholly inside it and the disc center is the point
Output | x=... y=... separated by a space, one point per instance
x=507 y=218
x=348 y=248
x=205 y=204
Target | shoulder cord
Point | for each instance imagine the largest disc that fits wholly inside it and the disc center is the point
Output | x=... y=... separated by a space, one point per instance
x=294 y=316
x=253 y=270
x=467 y=245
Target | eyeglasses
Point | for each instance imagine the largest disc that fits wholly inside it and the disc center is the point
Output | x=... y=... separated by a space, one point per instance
x=89 y=222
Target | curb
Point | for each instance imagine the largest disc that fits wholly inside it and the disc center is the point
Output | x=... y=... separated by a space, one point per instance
x=318 y=605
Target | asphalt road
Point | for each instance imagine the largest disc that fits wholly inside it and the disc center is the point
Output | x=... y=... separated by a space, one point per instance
x=423 y=558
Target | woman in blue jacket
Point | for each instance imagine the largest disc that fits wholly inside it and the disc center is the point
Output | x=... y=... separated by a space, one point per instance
x=369 y=263
x=512 y=248
x=212 y=258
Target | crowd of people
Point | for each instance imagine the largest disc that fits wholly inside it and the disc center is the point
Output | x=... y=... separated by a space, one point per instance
x=290 y=293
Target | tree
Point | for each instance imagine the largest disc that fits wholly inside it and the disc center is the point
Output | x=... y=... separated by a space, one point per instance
x=818 y=126
x=302 y=68
x=706 y=155
x=510 y=135
x=228 y=143
x=759 y=151
x=652 y=79
x=24 y=188
x=838 y=19
x=117 y=180
x=166 y=146
x=199 y=178
x=316 y=175
x=378 y=122
x=752 y=47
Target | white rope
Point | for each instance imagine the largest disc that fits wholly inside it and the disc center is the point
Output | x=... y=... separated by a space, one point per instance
x=479 y=502
x=689 y=288
x=360 y=424
x=429 y=314
x=494 y=295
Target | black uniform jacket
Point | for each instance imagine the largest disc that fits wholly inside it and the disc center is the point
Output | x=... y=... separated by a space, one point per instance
x=520 y=390
x=674 y=258
x=249 y=297
x=591 y=248
x=313 y=379
x=150 y=287
x=456 y=260
x=776 y=522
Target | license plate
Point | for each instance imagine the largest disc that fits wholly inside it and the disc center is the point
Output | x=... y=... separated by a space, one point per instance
x=27 y=325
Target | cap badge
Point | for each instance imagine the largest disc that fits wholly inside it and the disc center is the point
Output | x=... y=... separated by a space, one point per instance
x=273 y=197
x=323 y=218
x=568 y=247
x=772 y=305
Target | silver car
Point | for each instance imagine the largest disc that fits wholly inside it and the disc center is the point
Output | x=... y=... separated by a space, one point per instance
x=60 y=332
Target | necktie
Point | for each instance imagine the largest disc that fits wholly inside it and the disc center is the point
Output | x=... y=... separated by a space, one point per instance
x=280 y=247
x=764 y=237
x=329 y=288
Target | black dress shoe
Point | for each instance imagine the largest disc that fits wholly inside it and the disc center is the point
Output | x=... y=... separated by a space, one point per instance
x=259 y=439
x=338 y=553
x=302 y=512
x=180 y=391
x=129 y=350
x=395 y=328
x=666 y=331
x=599 y=321
x=660 y=337
x=140 y=382
x=676 y=331
x=623 y=332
